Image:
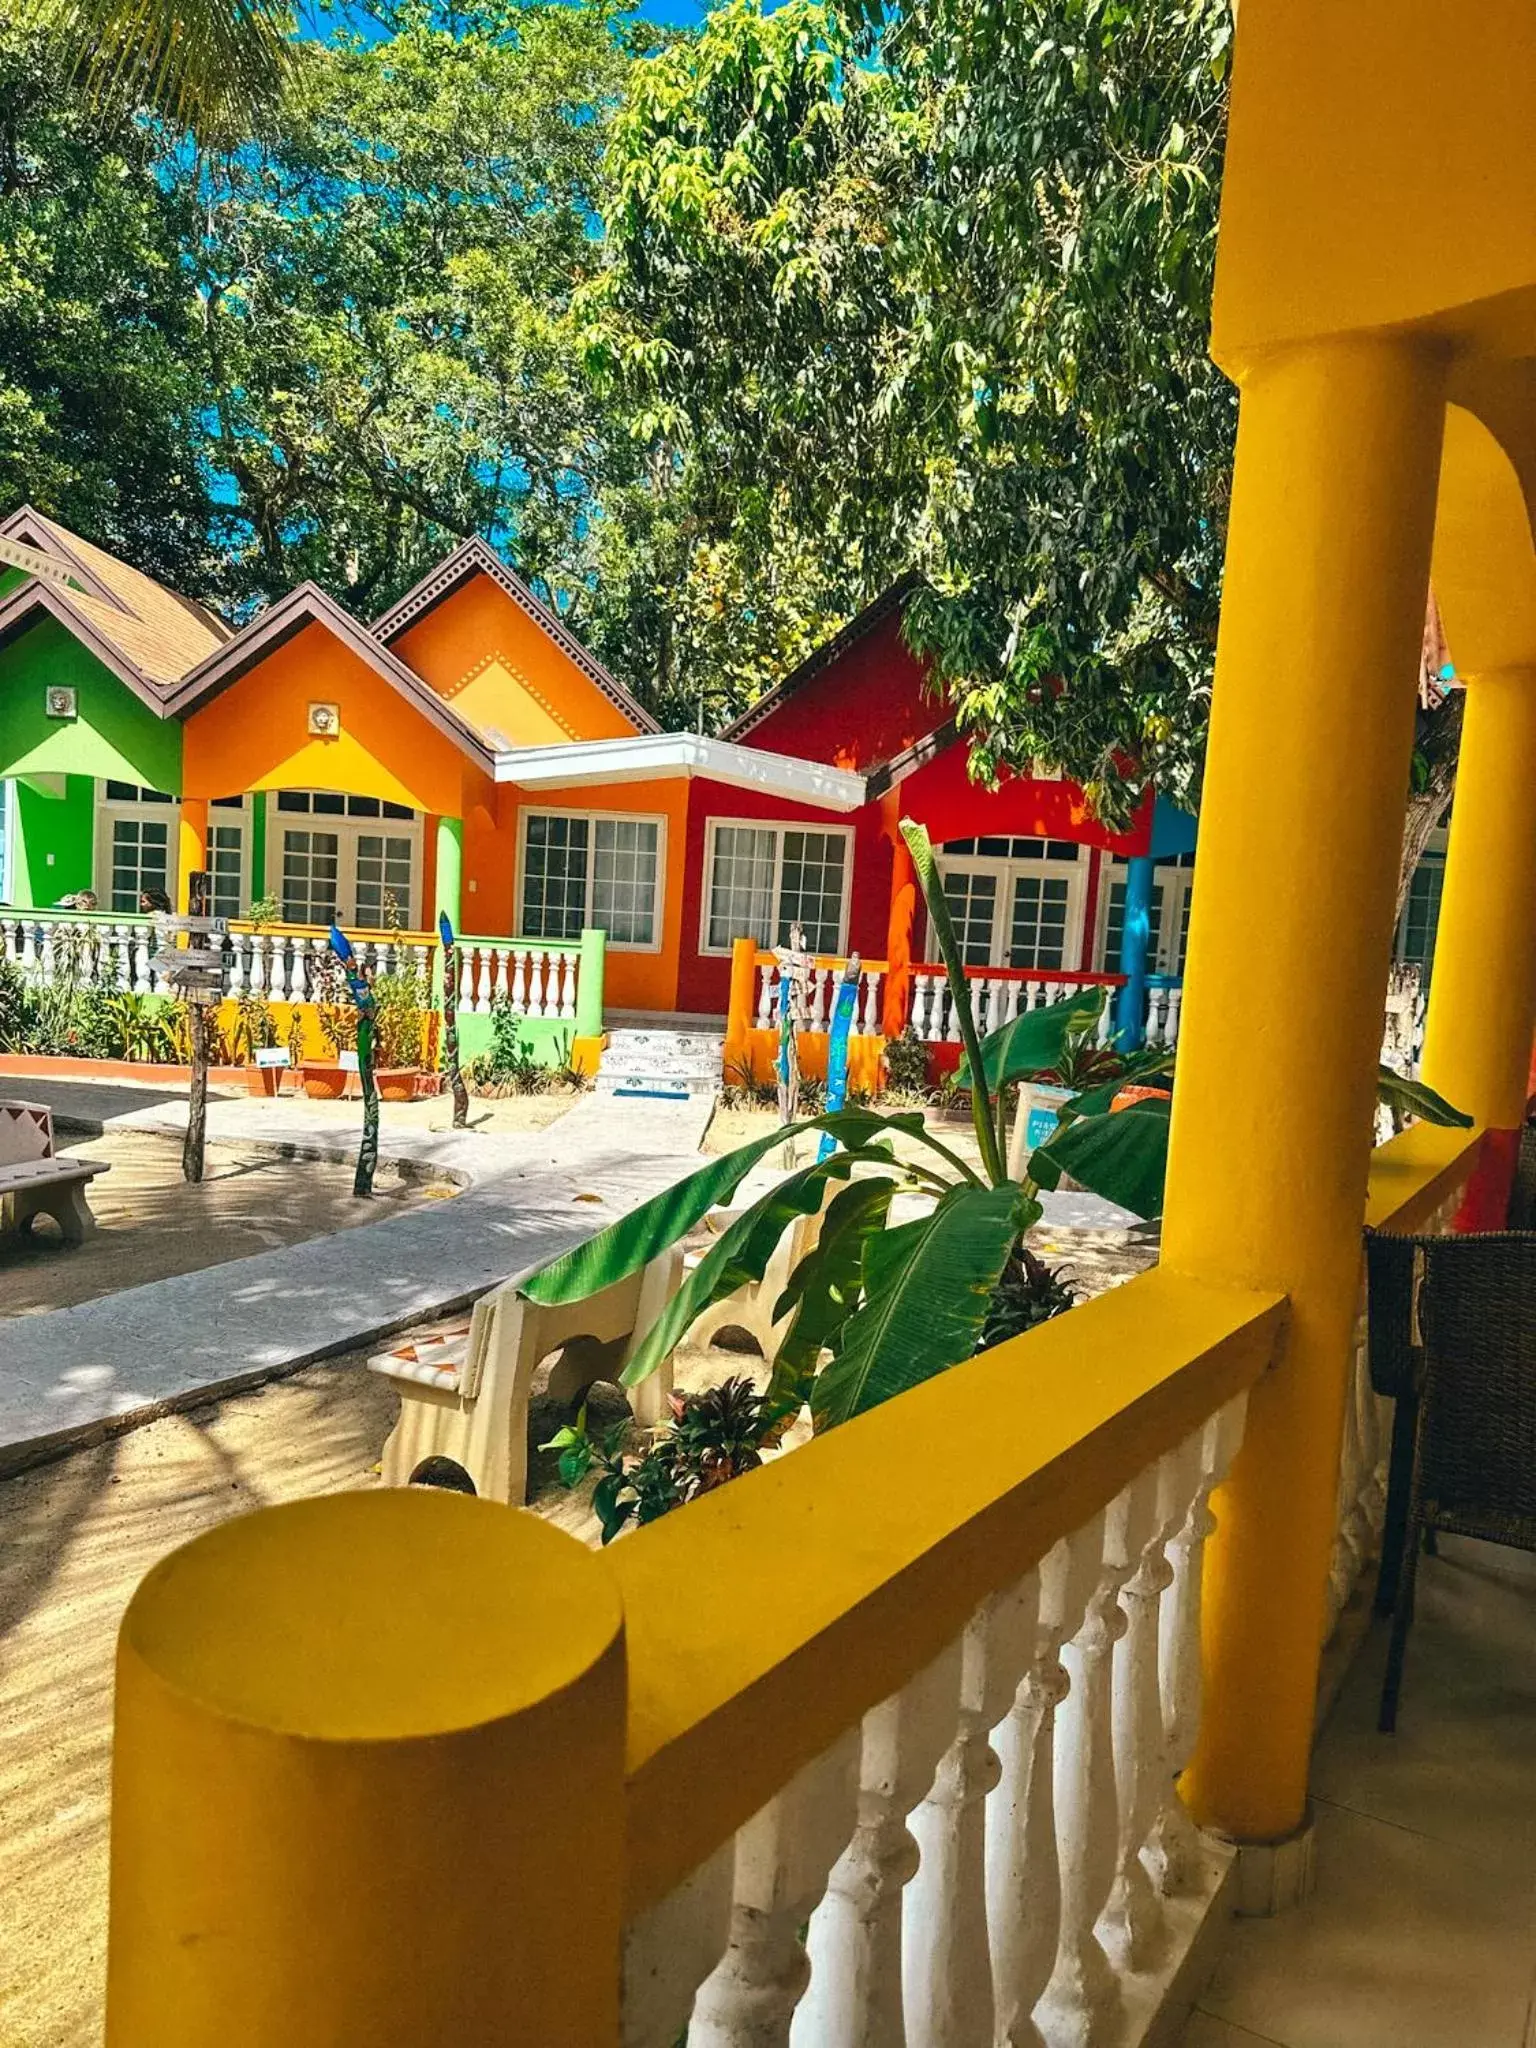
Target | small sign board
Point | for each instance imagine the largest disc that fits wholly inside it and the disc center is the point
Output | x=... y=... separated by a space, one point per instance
x=273 y=1056
x=347 y=1061
x=168 y=921
x=187 y=961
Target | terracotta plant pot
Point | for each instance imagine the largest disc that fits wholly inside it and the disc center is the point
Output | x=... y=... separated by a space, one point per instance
x=265 y=1080
x=325 y=1082
x=396 y=1084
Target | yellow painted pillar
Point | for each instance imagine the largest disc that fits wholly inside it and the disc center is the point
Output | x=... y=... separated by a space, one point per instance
x=1300 y=827
x=736 y=1053
x=1482 y=1000
x=368 y=1783
x=191 y=845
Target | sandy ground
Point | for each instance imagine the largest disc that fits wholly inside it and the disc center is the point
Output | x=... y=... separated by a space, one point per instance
x=151 y=1223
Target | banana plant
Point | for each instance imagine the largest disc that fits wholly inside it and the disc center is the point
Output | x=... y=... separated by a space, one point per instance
x=874 y=1308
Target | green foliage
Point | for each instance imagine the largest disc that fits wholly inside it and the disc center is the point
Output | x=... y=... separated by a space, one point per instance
x=1028 y=1292
x=713 y=1436
x=906 y=1064
x=400 y=996
x=1038 y=1042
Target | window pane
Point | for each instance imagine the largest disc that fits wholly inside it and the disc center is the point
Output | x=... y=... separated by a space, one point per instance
x=383 y=871
x=972 y=900
x=1421 y=914
x=397 y=810
x=1037 y=934
x=227 y=803
x=624 y=879
x=362 y=807
x=122 y=792
x=224 y=844
x=1114 y=926
x=293 y=799
x=140 y=859
x=309 y=877
x=555 y=877
x=328 y=802
x=811 y=888
x=741 y=886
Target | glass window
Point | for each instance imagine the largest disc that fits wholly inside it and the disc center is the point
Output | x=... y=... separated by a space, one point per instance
x=362 y=807
x=141 y=859
x=811 y=888
x=741 y=904
x=122 y=792
x=329 y=803
x=624 y=879
x=1114 y=926
x=1421 y=914
x=293 y=799
x=555 y=876
x=225 y=845
x=383 y=871
x=1037 y=935
x=227 y=803
x=972 y=901
x=309 y=877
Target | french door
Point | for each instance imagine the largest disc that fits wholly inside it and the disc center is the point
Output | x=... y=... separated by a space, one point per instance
x=1015 y=902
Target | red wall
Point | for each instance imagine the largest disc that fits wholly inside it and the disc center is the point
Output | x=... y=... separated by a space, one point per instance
x=942 y=796
x=867 y=706
x=704 y=980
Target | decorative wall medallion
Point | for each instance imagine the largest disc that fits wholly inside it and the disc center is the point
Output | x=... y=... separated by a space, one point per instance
x=61 y=701
x=325 y=720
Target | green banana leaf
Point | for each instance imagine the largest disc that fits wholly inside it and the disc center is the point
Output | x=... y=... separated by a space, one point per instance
x=624 y=1247
x=1034 y=1041
x=738 y=1257
x=920 y=846
x=1123 y=1157
x=1139 y=1069
x=825 y=1287
x=927 y=1288
x=1412 y=1098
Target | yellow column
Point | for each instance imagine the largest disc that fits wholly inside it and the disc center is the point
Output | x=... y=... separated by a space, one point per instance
x=1482 y=1002
x=368 y=1783
x=191 y=844
x=1301 y=821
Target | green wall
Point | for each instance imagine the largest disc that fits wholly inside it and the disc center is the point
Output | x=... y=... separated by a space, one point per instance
x=116 y=735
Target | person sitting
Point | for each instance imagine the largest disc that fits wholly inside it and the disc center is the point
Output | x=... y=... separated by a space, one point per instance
x=82 y=899
x=152 y=900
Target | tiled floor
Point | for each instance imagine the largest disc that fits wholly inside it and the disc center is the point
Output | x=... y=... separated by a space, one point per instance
x=1422 y=1930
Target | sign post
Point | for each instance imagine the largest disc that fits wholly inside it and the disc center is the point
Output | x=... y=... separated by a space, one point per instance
x=794 y=1013
x=451 y=1021
x=195 y=972
x=363 y=1000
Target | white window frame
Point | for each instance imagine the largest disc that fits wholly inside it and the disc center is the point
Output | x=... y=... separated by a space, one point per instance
x=348 y=831
x=1035 y=867
x=656 y=818
x=108 y=810
x=1433 y=856
x=1176 y=883
x=778 y=826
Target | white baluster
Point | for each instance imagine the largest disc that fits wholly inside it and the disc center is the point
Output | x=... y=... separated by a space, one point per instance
x=145 y=945
x=481 y=958
x=499 y=990
x=282 y=980
x=872 y=1018
x=952 y=1019
x=1023 y=1857
x=1133 y=1928
x=1082 y=2005
x=1155 y=997
x=568 y=984
x=1106 y=1019
x=29 y=933
x=1174 y=1854
x=921 y=1000
x=520 y=960
x=239 y=943
x=946 y=1961
x=259 y=978
x=855 y=1996
x=1171 y=1016
x=48 y=958
x=783 y=1856
x=669 y=1951
x=121 y=973
x=538 y=1001
x=764 y=1016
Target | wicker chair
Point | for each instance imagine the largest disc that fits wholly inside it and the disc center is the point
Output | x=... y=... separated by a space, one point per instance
x=1467 y=1401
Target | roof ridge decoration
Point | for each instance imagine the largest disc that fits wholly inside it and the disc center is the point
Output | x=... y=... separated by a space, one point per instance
x=52 y=539
x=892 y=598
x=305 y=605
x=477 y=556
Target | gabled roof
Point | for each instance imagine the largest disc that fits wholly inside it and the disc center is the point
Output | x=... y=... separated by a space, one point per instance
x=156 y=632
x=474 y=557
x=31 y=601
x=309 y=605
x=863 y=622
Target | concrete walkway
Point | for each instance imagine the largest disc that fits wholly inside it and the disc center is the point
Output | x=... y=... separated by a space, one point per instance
x=77 y=1373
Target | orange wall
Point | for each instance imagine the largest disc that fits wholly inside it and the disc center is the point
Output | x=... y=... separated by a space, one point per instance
x=499 y=669
x=255 y=735
x=632 y=981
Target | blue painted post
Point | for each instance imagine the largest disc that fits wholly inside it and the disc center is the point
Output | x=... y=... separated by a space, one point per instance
x=1135 y=938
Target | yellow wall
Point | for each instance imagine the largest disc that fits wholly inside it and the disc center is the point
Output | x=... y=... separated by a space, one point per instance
x=255 y=735
x=1380 y=164
x=499 y=669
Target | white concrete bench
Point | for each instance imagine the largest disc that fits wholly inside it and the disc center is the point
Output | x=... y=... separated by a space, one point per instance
x=465 y=1395
x=35 y=1181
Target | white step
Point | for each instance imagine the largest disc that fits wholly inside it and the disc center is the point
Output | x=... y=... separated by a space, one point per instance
x=651 y=1063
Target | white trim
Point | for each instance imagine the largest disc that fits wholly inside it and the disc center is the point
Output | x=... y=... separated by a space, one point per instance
x=657 y=756
x=1175 y=884
x=658 y=819
x=108 y=810
x=779 y=826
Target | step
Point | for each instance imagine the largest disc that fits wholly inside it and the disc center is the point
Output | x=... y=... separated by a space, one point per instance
x=668 y=1064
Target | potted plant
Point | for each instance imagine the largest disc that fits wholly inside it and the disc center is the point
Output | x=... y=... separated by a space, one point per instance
x=400 y=1003
x=327 y=1080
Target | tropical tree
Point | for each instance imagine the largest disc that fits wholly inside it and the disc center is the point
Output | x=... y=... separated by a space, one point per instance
x=214 y=68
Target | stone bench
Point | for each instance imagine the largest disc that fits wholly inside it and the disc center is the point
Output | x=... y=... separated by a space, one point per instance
x=35 y=1181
